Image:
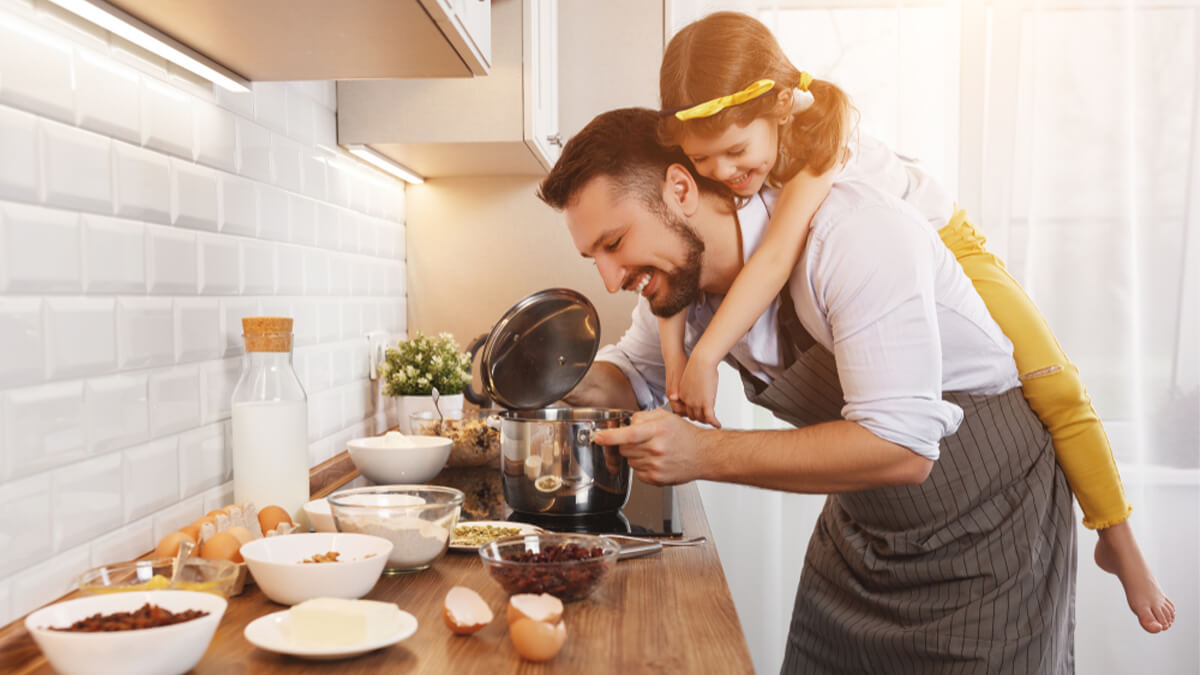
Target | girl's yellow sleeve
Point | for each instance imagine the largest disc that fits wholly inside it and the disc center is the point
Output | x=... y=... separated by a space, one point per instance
x=1050 y=382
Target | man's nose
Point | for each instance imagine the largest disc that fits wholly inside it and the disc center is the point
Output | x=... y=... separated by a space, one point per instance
x=611 y=272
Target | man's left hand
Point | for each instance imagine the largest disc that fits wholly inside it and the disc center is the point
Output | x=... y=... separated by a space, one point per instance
x=662 y=448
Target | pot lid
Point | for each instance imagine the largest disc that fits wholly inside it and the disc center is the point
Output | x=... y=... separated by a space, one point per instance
x=540 y=349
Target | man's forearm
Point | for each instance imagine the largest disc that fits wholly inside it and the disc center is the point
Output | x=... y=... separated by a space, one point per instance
x=831 y=457
x=604 y=386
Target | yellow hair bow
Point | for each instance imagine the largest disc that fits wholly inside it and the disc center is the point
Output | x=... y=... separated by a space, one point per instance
x=716 y=105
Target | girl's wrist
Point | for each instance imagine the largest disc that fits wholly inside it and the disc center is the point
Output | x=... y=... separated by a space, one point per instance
x=701 y=356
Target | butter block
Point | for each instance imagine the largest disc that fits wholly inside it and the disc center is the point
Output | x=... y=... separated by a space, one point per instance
x=337 y=622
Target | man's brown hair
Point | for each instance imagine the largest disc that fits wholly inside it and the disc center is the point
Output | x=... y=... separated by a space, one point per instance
x=622 y=145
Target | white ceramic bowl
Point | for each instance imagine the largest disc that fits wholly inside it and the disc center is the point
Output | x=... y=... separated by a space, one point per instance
x=381 y=463
x=166 y=650
x=276 y=565
x=319 y=515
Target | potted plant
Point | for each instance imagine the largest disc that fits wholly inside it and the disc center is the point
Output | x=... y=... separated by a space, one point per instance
x=414 y=368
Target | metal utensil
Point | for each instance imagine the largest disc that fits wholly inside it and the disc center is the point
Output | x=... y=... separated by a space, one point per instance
x=694 y=541
x=636 y=547
x=438 y=408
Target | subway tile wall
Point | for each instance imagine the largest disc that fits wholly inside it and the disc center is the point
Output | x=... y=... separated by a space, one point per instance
x=143 y=213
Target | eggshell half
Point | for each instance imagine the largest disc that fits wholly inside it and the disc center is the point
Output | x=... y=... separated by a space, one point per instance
x=465 y=611
x=537 y=641
x=545 y=608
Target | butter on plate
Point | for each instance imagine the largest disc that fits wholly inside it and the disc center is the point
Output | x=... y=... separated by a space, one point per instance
x=337 y=622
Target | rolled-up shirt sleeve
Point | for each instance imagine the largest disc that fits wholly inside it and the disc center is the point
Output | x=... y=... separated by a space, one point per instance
x=883 y=321
x=639 y=356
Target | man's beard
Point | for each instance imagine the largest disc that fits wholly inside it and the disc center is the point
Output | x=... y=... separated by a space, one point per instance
x=682 y=286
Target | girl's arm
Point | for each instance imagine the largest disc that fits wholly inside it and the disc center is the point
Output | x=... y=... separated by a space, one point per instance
x=671 y=331
x=756 y=286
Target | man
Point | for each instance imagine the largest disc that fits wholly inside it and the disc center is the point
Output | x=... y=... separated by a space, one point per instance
x=947 y=542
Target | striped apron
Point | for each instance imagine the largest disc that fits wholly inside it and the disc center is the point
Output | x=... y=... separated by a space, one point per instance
x=972 y=571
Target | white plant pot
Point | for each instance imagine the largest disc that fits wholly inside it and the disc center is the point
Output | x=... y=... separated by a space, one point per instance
x=407 y=405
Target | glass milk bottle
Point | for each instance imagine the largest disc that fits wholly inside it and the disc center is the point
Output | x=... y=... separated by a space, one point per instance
x=270 y=421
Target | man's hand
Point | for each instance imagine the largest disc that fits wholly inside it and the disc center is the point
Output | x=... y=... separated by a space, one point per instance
x=662 y=448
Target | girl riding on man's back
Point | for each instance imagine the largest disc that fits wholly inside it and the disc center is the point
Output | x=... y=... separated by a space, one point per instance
x=746 y=117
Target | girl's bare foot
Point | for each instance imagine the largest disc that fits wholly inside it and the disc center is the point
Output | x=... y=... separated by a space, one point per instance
x=1117 y=552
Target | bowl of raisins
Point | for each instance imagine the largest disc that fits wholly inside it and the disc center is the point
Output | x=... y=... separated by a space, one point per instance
x=568 y=566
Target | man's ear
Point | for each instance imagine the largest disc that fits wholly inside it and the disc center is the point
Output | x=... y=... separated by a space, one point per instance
x=680 y=188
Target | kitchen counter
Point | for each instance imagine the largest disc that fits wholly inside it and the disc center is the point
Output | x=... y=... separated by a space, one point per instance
x=670 y=612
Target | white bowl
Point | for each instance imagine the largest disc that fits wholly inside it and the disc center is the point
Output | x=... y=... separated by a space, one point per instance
x=165 y=650
x=319 y=515
x=276 y=565
x=421 y=460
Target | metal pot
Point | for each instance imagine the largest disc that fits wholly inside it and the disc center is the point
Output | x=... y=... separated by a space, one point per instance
x=550 y=466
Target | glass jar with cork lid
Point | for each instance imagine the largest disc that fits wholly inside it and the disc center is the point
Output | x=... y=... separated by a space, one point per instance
x=270 y=420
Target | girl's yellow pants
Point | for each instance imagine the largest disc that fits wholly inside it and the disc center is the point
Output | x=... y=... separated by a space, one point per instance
x=1050 y=382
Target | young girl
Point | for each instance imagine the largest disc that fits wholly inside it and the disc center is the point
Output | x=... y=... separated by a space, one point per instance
x=747 y=117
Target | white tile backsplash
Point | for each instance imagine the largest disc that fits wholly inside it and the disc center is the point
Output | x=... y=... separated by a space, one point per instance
x=195 y=199
x=118 y=411
x=23 y=356
x=114 y=255
x=151 y=476
x=77 y=168
x=44 y=427
x=39 y=250
x=87 y=500
x=80 y=336
x=143 y=213
x=107 y=96
x=19 y=161
x=174 y=400
x=145 y=332
x=170 y=261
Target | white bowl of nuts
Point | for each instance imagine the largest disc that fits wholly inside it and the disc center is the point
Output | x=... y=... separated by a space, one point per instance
x=293 y=568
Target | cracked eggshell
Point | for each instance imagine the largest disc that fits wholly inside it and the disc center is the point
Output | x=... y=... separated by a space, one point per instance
x=465 y=611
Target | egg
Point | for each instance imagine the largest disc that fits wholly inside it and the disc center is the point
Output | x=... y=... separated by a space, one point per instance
x=222 y=545
x=271 y=516
x=537 y=641
x=169 y=546
x=242 y=534
x=544 y=608
x=214 y=513
x=465 y=611
x=193 y=530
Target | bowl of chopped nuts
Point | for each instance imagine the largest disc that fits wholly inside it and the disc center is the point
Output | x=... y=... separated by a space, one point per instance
x=134 y=633
x=472 y=441
x=292 y=568
x=568 y=566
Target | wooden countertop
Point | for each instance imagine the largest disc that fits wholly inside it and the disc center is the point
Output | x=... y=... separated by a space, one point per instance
x=671 y=612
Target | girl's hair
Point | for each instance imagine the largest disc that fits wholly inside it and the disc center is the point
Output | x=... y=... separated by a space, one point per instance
x=724 y=53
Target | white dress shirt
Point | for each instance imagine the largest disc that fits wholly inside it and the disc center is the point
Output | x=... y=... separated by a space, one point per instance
x=876 y=286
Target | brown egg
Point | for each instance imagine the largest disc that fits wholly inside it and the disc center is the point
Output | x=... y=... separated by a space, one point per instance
x=213 y=513
x=169 y=546
x=271 y=516
x=206 y=519
x=242 y=534
x=537 y=641
x=222 y=545
x=544 y=608
x=465 y=611
x=193 y=530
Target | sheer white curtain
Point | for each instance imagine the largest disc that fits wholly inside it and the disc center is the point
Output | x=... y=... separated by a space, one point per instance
x=1070 y=129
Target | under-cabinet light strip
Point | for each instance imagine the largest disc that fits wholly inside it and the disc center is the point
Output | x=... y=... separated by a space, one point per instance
x=382 y=163
x=145 y=36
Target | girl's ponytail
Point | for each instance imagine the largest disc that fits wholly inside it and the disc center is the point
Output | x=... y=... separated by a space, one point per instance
x=816 y=138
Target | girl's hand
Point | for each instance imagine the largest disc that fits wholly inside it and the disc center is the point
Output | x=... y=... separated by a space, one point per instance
x=698 y=391
x=675 y=363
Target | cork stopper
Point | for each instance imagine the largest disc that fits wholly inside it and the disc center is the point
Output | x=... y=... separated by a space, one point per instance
x=267 y=333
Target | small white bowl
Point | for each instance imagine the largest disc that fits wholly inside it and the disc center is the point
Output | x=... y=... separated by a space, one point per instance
x=384 y=464
x=319 y=515
x=165 y=650
x=276 y=565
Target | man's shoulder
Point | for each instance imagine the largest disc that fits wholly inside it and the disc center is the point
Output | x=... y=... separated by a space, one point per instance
x=862 y=204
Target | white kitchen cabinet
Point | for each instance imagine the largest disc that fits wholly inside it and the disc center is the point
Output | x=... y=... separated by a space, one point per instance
x=325 y=40
x=505 y=123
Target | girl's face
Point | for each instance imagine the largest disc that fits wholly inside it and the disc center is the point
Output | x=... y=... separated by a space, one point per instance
x=740 y=157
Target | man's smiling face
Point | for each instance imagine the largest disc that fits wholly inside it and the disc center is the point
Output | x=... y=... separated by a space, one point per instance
x=652 y=251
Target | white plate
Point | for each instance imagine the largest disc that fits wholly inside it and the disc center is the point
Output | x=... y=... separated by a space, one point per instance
x=524 y=528
x=270 y=632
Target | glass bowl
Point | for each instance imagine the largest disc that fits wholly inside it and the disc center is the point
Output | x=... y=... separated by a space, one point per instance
x=417 y=519
x=207 y=575
x=473 y=442
x=550 y=563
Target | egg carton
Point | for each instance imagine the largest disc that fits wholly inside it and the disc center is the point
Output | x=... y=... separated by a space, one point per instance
x=245 y=516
